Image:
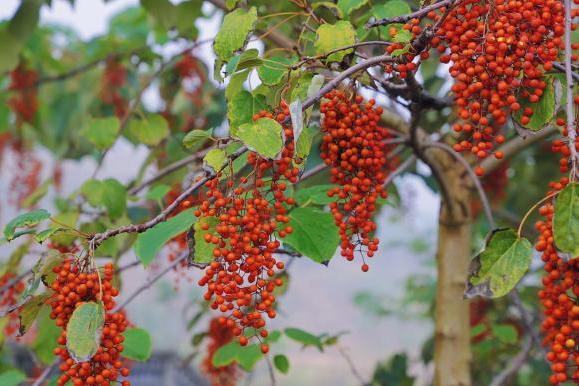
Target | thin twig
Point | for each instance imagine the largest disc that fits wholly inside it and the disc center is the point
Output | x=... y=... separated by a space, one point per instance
x=352 y=366
x=514 y=364
x=400 y=169
x=270 y=370
x=150 y=282
x=570 y=110
x=45 y=373
x=526 y=317
x=168 y=170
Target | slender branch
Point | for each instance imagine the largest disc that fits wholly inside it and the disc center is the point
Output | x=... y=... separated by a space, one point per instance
x=270 y=371
x=570 y=110
x=514 y=146
x=483 y=197
x=561 y=68
x=325 y=55
x=12 y=282
x=150 y=282
x=526 y=317
x=404 y=18
x=168 y=170
x=400 y=169
x=352 y=366
x=45 y=373
x=514 y=365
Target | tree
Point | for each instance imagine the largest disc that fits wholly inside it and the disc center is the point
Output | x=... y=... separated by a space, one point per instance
x=285 y=154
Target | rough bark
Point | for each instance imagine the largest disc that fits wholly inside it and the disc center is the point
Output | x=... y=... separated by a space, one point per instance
x=452 y=353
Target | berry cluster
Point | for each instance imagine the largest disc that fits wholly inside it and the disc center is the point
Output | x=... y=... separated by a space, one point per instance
x=559 y=298
x=247 y=213
x=26 y=179
x=74 y=285
x=562 y=146
x=219 y=335
x=353 y=146
x=113 y=80
x=24 y=102
x=500 y=52
x=9 y=298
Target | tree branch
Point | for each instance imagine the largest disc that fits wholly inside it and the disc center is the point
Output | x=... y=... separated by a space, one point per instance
x=514 y=146
x=570 y=110
x=404 y=18
x=514 y=365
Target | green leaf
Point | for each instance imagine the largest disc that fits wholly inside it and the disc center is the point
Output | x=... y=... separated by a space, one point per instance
x=230 y=4
x=496 y=270
x=29 y=312
x=317 y=194
x=402 y=36
x=25 y=220
x=241 y=108
x=12 y=377
x=348 y=6
x=263 y=136
x=314 y=235
x=232 y=352
x=10 y=51
x=391 y=8
x=281 y=363
x=506 y=333
x=304 y=143
x=247 y=59
x=333 y=36
x=158 y=192
x=273 y=70
x=215 y=158
x=303 y=337
x=543 y=111
x=138 y=344
x=195 y=138
x=102 y=132
x=109 y=193
x=149 y=243
x=151 y=130
x=114 y=197
x=162 y=10
x=46 y=337
x=47 y=233
x=566 y=220
x=203 y=252
x=83 y=331
x=234 y=31
x=25 y=20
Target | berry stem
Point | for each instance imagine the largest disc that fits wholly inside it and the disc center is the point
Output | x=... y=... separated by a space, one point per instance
x=570 y=108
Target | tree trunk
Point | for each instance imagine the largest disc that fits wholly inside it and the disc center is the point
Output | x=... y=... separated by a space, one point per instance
x=452 y=351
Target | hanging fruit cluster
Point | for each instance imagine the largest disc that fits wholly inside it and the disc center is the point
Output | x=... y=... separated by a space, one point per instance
x=499 y=53
x=74 y=285
x=219 y=335
x=24 y=102
x=9 y=298
x=559 y=299
x=242 y=217
x=113 y=80
x=353 y=146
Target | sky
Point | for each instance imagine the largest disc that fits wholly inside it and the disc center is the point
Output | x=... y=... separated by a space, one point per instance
x=320 y=298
